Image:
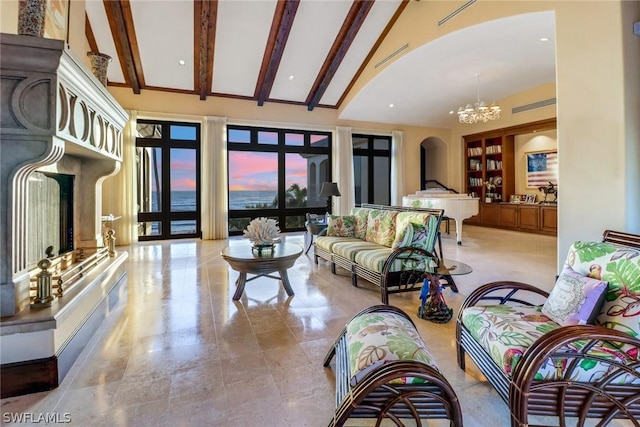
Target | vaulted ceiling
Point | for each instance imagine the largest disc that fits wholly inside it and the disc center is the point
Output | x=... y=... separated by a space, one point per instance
x=310 y=53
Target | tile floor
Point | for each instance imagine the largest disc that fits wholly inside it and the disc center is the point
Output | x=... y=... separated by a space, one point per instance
x=180 y=352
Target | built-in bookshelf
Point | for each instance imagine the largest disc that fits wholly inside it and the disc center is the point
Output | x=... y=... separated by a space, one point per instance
x=490 y=159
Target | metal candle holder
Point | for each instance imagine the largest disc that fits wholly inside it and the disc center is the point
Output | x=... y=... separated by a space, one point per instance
x=43 y=292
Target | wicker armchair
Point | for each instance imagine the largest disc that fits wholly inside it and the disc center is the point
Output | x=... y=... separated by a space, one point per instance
x=556 y=374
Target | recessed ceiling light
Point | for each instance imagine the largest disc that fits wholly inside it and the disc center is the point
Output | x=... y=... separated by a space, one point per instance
x=182 y=62
x=544 y=39
x=291 y=77
x=391 y=105
x=451 y=112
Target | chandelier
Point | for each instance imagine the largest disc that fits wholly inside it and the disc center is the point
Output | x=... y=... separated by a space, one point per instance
x=479 y=111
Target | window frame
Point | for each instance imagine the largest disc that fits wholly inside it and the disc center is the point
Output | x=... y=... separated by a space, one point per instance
x=281 y=149
x=370 y=153
x=166 y=144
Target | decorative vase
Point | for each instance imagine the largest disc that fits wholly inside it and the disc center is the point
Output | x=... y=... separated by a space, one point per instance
x=99 y=64
x=31 y=17
x=260 y=247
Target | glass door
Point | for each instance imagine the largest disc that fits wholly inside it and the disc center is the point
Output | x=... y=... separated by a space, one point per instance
x=168 y=160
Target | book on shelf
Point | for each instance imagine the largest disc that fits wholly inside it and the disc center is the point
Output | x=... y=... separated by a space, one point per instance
x=474 y=151
x=475 y=182
x=494 y=149
x=494 y=164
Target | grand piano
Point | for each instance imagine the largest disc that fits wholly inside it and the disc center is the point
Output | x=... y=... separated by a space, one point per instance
x=456 y=206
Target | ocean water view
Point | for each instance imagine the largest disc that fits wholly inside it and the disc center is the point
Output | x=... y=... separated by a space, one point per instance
x=242 y=199
x=185 y=201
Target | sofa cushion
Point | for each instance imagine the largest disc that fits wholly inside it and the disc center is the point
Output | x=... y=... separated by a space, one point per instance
x=361 y=215
x=340 y=226
x=375 y=259
x=381 y=227
x=620 y=267
x=374 y=339
x=423 y=234
x=575 y=299
x=327 y=242
x=505 y=332
x=349 y=249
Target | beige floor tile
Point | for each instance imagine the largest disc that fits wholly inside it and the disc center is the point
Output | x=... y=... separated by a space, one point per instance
x=181 y=352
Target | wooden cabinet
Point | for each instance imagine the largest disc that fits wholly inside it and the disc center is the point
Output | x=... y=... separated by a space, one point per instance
x=509 y=215
x=549 y=219
x=490 y=214
x=529 y=217
x=490 y=158
x=542 y=219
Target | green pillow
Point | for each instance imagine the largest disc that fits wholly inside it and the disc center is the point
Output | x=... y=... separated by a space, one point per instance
x=340 y=226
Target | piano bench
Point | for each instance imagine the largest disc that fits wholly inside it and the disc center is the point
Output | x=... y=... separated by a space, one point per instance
x=446 y=220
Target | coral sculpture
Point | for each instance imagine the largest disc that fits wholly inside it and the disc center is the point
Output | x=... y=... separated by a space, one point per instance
x=262 y=231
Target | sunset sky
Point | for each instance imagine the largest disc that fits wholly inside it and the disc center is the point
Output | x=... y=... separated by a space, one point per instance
x=247 y=170
x=259 y=171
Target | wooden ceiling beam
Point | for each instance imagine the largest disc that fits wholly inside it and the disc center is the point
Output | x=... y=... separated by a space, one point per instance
x=205 y=15
x=124 y=37
x=348 y=32
x=278 y=36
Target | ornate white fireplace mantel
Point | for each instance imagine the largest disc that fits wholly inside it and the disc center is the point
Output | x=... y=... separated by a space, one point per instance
x=55 y=116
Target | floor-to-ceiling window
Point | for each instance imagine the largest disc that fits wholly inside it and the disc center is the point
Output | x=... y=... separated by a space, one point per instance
x=168 y=161
x=276 y=173
x=372 y=168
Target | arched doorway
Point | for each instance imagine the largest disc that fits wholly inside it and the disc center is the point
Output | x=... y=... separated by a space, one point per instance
x=434 y=162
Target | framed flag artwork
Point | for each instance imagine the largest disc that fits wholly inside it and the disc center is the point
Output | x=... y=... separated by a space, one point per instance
x=542 y=168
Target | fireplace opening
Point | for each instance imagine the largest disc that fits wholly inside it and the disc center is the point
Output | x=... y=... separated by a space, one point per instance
x=50 y=219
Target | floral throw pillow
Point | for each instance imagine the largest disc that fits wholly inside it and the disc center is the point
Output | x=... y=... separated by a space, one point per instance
x=361 y=215
x=575 y=299
x=415 y=229
x=381 y=227
x=340 y=226
x=620 y=267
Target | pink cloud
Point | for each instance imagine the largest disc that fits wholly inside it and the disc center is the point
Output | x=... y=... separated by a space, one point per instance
x=183 y=184
x=258 y=171
x=252 y=171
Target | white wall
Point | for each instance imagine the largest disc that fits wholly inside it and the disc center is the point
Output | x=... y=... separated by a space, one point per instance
x=593 y=44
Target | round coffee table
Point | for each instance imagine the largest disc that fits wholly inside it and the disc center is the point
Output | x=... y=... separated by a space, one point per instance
x=245 y=260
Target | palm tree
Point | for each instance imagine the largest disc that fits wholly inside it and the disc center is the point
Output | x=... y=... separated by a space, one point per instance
x=296 y=197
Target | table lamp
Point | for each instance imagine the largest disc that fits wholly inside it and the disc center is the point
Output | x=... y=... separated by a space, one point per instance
x=327 y=190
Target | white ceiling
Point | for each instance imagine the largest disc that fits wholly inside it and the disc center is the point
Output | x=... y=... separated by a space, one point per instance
x=433 y=79
x=423 y=84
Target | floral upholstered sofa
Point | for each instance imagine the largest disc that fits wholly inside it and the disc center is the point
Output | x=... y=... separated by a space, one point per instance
x=574 y=353
x=389 y=246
